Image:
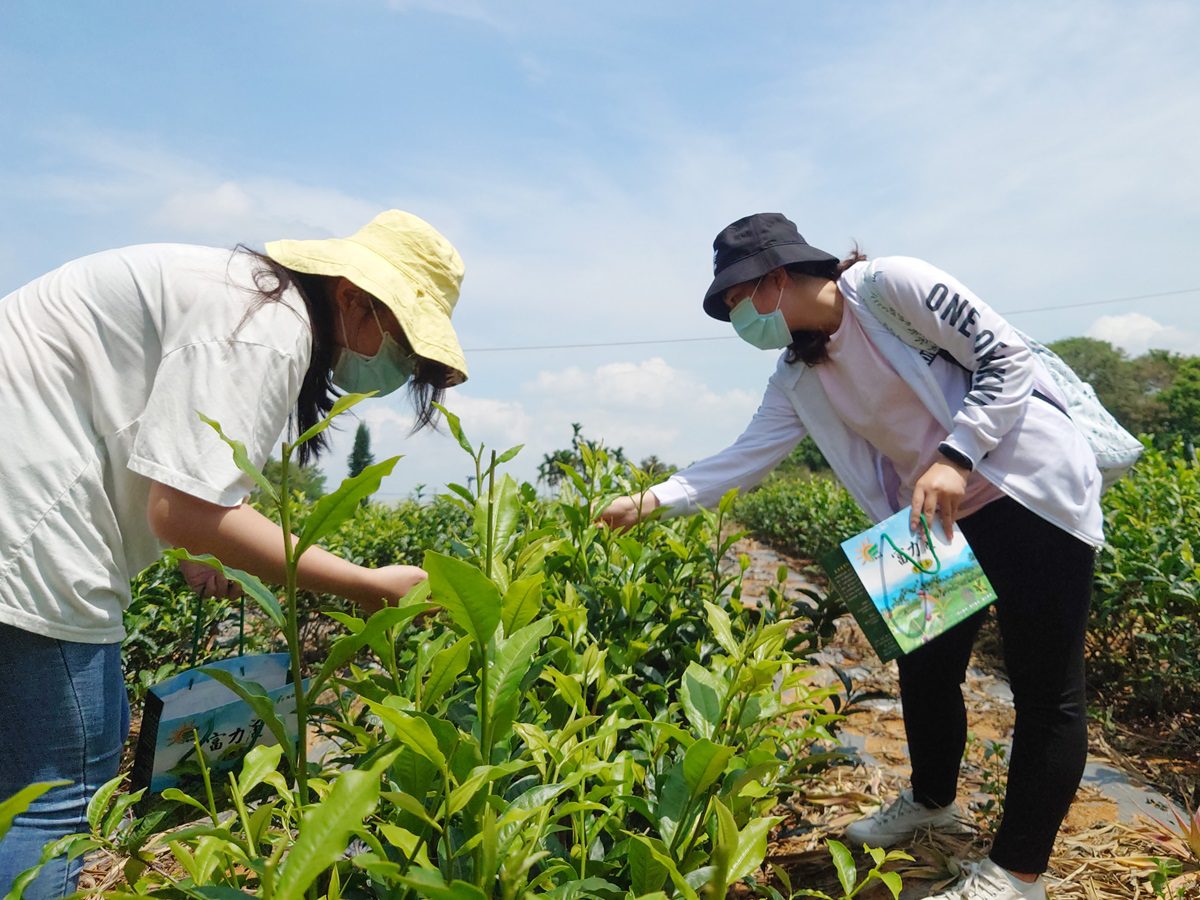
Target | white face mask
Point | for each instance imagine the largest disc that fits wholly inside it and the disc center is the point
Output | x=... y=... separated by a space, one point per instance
x=767 y=331
x=391 y=367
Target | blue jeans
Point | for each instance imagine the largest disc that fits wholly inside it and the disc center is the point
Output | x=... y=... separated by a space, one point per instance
x=64 y=715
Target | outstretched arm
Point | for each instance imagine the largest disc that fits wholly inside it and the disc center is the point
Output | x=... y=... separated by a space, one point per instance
x=243 y=538
x=770 y=436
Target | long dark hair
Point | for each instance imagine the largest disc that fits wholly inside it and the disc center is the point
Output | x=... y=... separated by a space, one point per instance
x=809 y=347
x=317 y=391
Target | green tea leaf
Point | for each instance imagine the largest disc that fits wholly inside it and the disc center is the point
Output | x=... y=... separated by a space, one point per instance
x=411 y=805
x=118 y=810
x=260 y=761
x=724 y=848
x=242 y=459
x=844 y=863
x=259 y=820
x=702 y=695
x=401 y=838
x=506 y=511
x=528 y=804
x=480 y=775
x=340 y=405
x=430 y=883
x=522 y=602
x=459 y=491
x=255 y=696
x=673 y=796
x=23 y=799
x=663 y=859
x=513 y=658
x=751 y=847
x=180 y=797
x=509 y=454
x=722 y=629
x=325 y=827
x=447 y=665
x=892 y=881
x=567 y=687
x=346 y=647
x=412 y=731
x=99 y=802
x=332 y=510
x=254 y=588
x=471 y=600
x=703 y=763
x=456 y=429
x=586 y=889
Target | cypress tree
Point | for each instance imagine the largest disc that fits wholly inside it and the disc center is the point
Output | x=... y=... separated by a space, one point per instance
x=361 y=455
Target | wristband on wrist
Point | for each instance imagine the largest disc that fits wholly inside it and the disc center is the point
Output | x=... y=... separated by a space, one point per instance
x=956 y=456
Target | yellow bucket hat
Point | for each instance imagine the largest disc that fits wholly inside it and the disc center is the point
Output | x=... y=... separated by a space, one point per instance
x=405 y=263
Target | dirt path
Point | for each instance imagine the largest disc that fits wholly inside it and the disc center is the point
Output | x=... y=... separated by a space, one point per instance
x=1104 y=847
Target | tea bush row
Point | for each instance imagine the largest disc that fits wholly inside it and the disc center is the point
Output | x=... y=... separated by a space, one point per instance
x=1144 y=636
x=169 y=629
x=804 y=517
x=1144 y=639
x=587 y=713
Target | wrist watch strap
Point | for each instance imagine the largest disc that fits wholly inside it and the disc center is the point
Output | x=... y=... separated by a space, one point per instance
x=956 y=456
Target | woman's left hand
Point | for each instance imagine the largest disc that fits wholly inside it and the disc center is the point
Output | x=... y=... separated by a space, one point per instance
x=940 y=490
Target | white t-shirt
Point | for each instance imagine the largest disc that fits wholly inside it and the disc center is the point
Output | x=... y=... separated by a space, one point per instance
x=104 y=364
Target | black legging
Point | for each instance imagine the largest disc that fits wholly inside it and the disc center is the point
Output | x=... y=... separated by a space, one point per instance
x=1043 y=582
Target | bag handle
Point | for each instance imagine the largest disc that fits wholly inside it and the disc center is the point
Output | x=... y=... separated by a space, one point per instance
x=196 y=629
x=916 y=563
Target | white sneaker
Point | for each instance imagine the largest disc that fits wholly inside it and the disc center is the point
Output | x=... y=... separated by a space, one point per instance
x=901 y=819
x=987 y=881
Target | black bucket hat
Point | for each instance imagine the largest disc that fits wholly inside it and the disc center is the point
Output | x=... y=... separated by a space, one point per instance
x=752 y=247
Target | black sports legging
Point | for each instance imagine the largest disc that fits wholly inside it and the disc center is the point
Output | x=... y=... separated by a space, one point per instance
x=1043 y=582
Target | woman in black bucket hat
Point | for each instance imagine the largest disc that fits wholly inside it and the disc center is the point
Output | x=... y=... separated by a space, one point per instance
x=943 y=407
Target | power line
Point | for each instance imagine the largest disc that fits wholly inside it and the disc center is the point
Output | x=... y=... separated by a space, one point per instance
x=727 y=337
x=1102 y=302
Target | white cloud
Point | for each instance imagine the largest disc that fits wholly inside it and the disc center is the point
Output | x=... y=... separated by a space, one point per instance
x=1136 y=333
x=160 y=194
x=258 y=209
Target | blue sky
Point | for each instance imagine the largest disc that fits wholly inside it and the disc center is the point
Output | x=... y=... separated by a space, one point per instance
x=583 y=156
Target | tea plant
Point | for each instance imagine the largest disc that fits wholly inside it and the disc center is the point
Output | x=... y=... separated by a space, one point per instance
x=803 y=517
x=847 y=874
x=588 y=714
x=1145 y=623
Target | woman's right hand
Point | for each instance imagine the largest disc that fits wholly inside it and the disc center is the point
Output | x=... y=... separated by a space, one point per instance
x=386 y=585
x=625 y=512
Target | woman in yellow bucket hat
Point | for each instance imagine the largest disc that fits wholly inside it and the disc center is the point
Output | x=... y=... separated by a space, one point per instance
x=104 y=365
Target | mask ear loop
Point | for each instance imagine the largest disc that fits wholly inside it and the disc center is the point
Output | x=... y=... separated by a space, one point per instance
x=378 y=321
x=342 y=319
x=779 y=302
x=405 y=348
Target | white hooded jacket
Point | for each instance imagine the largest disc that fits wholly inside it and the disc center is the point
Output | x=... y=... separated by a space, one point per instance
x=984 y=397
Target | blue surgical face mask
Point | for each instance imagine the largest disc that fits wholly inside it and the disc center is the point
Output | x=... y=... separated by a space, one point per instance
x=767 y=331
x=391 y=367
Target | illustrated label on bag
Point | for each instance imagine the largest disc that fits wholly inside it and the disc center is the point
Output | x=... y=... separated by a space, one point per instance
x=905 y=589
x=191 y=704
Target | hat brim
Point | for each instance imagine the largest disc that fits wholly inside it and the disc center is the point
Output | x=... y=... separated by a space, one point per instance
x=755 y=266
x=426 y=324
